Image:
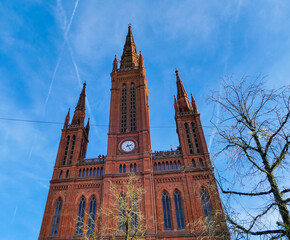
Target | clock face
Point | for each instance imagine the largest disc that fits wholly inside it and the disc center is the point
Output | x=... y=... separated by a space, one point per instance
x=128 y=146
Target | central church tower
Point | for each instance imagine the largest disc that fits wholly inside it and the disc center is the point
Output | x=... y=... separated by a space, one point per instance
x=129 y=144
x=181 y=197
x=129 y=131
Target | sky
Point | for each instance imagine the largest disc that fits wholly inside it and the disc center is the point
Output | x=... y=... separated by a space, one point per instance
x=49 y=48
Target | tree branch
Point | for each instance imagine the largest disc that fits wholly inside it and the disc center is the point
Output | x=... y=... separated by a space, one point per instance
x=275 y=133
x=280 y=231
x=282 y=155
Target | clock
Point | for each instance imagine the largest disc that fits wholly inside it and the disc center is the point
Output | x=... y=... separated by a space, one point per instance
x=128 y=146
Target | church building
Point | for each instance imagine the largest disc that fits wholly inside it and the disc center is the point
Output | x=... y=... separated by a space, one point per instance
x=181 y=199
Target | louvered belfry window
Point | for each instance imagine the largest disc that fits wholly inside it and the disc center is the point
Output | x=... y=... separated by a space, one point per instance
x=124 y=109
x=72 y=149
x=65 y=150
x=195 y=137
x=188 y=138
x=132 y=108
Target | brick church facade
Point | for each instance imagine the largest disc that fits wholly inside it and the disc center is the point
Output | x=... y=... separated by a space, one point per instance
x=180 y=187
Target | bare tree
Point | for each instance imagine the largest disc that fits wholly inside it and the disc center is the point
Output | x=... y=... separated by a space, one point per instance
x=253 y=129
x=126 y=218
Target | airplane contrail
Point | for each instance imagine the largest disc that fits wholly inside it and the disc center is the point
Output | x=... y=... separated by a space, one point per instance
x=62 y=48
x=214 y=131
x=75 y=64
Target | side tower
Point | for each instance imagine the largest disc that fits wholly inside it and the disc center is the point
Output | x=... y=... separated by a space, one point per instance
x=59 y=212
x=187 y=201
x=206 y=216
x=129 y=144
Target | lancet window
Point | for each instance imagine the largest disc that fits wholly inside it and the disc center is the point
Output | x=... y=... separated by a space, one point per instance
x=166 y=211
x=178 y=210
x=134 y=215
x=92 y=215
x=206 y=205
x=201 y=163
x=122 y=211
x=81 y=214
x=56 y=218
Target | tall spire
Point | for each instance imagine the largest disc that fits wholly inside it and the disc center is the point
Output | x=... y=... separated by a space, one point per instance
x=82 y=99
x=182 y=98
x=79 y=114
x=129 y=58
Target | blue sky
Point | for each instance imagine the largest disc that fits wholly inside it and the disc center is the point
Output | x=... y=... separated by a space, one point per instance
x=49 y=48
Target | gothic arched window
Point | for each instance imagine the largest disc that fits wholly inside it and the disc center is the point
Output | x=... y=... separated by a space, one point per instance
x=179 y=210
x=193 y=163
x=163 y=166
x=101 y=171
x=131 y=167
x=159 y=166
x=122 y=212
x=65 y=150
x=206 y=205
x=134 y=214
x=135 y=167
x=124 y=168
x=81 y=214
x=92 y=215
x=155 y=166
x=167 y=166
x=188 y=138
x=166 y=211
x=121 y=168
x=179 y=164
x=56 y=218
x=195 y=137
x=60 y=174
x=171 y=165
x=132 y=108
x=72 y=149
x=201 y=163
x=67 y=174
x=124 y=109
